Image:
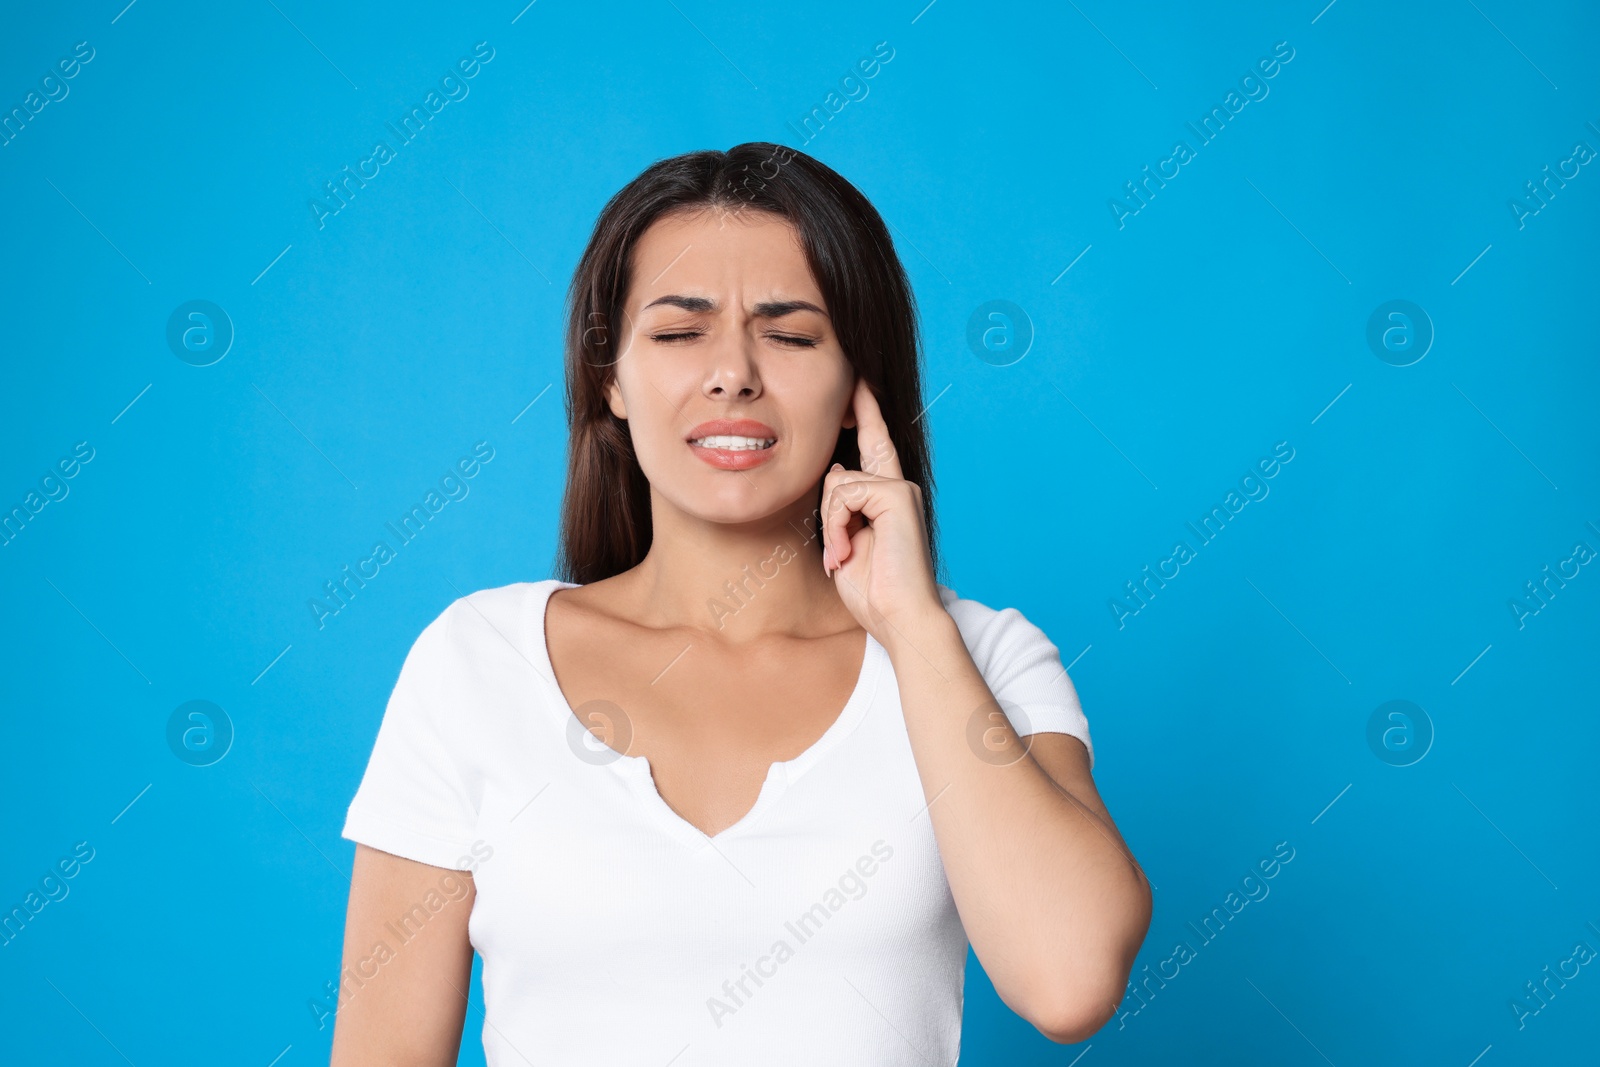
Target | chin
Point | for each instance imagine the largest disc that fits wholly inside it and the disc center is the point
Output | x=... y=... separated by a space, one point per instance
x=734 y=499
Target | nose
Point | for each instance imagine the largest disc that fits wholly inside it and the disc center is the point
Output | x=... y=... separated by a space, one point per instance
x=731 y=372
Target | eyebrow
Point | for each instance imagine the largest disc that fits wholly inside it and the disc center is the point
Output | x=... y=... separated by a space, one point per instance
x=770 y=309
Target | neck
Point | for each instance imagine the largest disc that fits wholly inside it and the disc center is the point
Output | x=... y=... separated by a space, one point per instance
x=740 y=581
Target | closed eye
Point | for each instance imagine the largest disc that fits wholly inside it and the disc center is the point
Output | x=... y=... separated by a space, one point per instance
x=684 y=335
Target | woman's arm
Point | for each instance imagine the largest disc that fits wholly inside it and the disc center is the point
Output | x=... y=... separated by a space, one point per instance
x=1054 y=904
x=402 y=1002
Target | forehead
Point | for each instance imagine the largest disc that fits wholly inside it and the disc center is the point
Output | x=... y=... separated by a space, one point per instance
x=748 y=256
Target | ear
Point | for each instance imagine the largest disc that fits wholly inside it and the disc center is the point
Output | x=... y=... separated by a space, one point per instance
x=614 y=399
x=849 y=421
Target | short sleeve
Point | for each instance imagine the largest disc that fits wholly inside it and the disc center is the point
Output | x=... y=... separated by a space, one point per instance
x=1022 y=668
x=415 y=799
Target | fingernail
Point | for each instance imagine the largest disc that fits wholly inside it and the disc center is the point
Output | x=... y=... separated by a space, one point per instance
x=837 y=467
x=827 y=560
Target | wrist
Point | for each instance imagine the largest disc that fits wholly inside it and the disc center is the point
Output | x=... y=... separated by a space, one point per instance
x=921 y=632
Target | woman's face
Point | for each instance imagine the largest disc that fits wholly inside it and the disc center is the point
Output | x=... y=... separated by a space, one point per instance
x=731 y=379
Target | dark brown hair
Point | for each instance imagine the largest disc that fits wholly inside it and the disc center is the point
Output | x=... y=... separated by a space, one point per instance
x=605 y=511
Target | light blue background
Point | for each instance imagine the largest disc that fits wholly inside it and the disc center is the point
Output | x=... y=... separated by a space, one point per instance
x=1229 y=715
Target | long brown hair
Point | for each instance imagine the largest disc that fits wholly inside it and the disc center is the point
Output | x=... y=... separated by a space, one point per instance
x=605 y=511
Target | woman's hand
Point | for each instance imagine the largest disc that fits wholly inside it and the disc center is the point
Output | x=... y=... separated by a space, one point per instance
x=883 y=570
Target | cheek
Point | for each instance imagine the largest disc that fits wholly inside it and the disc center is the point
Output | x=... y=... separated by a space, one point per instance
x=816 y=412
x=654 y=398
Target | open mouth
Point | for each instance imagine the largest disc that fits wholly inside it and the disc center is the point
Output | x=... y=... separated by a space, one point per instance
x=735 y=444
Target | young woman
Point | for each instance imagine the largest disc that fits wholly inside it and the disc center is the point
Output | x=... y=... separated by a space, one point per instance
x=741 y=785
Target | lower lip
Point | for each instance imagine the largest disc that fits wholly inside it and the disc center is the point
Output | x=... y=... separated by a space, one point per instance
x=734 y=459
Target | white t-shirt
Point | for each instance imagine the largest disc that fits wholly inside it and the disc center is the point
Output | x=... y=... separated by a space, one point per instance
x=819 y=929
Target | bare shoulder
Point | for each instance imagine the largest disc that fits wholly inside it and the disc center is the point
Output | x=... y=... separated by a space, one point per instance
x=594 y=630
x=590 y=609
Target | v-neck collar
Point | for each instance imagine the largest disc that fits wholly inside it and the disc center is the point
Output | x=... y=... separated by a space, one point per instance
x=635 y=770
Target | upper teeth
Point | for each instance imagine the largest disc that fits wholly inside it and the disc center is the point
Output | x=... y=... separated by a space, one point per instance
x=734 y=443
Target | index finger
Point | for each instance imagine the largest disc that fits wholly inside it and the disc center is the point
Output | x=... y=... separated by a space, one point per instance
x=878 y=455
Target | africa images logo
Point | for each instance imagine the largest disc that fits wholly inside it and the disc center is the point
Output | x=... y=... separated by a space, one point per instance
x=851 y=885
